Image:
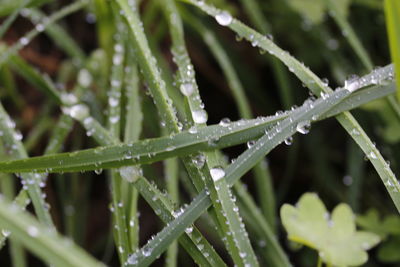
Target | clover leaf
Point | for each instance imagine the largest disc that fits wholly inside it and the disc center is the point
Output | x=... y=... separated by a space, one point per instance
x=333 y=236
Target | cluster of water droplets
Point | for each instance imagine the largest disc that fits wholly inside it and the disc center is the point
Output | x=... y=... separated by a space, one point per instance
x=379 y=76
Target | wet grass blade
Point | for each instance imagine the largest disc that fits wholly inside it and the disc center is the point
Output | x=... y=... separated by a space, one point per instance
x=152 y=150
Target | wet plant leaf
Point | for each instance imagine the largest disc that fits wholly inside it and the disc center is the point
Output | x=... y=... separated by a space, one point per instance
x=334 y=236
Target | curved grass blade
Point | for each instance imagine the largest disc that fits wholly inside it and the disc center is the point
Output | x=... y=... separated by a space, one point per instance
x=41 y=240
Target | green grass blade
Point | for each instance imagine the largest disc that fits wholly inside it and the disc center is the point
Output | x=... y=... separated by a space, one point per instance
x=12 y=143
x=392 y=12
x=147 y=64
x=41 y=240
x=152 y=150
x=133 y=129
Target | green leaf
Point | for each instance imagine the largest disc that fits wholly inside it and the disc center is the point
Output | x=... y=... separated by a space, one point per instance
x=335 y=237
x=313 y=10
x=371 y=222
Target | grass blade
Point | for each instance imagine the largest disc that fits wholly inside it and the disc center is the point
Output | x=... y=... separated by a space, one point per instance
x=41 y=240
x=152 y=150
x=392 y=11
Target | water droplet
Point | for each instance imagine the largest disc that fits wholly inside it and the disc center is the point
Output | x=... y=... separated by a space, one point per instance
x=225 y=122
x=217 y=173
x=372 y=155
x=193 y=130
x=355 y=132
x=5 y=233
x=24 y=41
x=18 y=136
x=114 y=119
x=352 y=83
x=250 y=144
x=187 y=89
x=303 y=127
x=199 y=116
x=98 y=171
x=117 y=59
x=224 y=18
x=32 y=231
x=132 y=259
x=69 y=98
x=199 y=161
x=39 y=27
x=79 y=111
x=113 y=102
x=84 y=78
x=189 y=230
x=289 y=140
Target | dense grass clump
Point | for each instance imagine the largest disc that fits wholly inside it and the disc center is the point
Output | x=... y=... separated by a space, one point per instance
x=165 y=132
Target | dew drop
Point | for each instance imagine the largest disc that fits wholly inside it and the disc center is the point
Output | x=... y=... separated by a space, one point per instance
x=84 y=78
x=199 y=161
x=79 y=111
x=187 y=89
x=39 y=27
x=224 y=18
x=250 y=144
x=32 y=231
x=352 y=83
x=289 y=140
x=225 y=122
x=199 y=116
x=24 y=41
x=303 y=127
x=189 y=230
x=217 y=173
x=113 y=102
